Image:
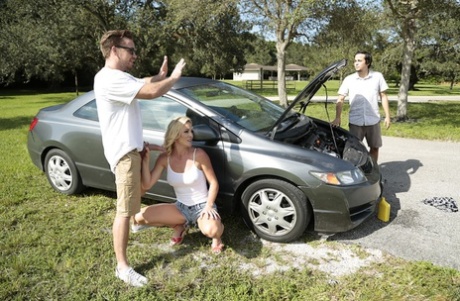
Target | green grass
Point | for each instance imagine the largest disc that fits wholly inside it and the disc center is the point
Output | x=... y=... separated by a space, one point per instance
x=57 y=247
x=429 y=121
x=421 y=89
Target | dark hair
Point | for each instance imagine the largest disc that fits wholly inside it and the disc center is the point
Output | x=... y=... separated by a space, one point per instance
x=112 y=38
x=367 y=57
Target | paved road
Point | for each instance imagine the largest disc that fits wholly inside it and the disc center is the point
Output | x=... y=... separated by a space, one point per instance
x=416 y=170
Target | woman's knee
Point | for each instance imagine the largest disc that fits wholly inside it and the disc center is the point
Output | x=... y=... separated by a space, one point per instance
x=211 y=229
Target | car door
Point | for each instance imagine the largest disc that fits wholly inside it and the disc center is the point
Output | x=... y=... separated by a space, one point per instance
x=86 y=144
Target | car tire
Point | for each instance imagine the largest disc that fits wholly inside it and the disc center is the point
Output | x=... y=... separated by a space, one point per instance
x=62 y=173
x=276 y=210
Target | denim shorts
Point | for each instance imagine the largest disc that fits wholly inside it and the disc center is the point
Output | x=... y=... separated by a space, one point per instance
x=192 y=213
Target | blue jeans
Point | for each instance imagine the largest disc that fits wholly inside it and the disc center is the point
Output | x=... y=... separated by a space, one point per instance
x=192 y=213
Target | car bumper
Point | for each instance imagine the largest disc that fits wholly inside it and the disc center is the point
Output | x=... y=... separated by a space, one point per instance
x=34 y=152
x=339 y=209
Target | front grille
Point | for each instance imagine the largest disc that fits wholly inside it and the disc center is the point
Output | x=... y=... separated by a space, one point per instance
x=361 y=211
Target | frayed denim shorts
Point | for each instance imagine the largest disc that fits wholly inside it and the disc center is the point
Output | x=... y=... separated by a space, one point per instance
x=192 y=213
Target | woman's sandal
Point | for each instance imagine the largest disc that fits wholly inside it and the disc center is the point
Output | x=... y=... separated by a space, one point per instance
x=178 y=240
x=217 y=249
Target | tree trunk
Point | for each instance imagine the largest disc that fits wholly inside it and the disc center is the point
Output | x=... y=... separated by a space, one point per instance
x=76 y=83
x=409 y=48
x=280 y=56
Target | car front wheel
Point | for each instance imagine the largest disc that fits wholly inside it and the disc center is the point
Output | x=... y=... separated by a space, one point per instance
x=276 y=210
x=62 y=173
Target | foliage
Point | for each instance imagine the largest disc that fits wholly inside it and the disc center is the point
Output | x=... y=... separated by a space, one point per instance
x=407 y=16
x=284 y=19
x=440 y=46
x=213 y=42
x=260 y=51
x=348 y=28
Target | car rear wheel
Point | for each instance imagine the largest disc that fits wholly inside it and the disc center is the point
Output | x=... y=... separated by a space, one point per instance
x=62 y=173
x=276 y=210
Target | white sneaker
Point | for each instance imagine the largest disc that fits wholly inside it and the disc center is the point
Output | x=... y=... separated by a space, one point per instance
x=131 y=277
x=138 y=227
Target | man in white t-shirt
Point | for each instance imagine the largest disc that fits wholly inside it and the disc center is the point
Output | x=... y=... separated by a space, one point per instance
x=117 y=93
x=364 y=89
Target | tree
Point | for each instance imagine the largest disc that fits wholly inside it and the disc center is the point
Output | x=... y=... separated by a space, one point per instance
x=260 y=51
x=285 y=19
x=408 y=16
x=440 y=46
x=44 y=41
x=406 y=12
x=212 y=42
x=348 y=27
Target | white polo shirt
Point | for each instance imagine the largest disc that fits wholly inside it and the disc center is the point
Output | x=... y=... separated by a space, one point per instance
x=119 y=113
x=364 y=95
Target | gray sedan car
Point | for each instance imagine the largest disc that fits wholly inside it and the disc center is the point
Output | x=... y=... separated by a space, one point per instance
x=279 y=168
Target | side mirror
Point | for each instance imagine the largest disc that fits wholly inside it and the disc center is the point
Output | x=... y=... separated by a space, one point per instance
x=203 y=132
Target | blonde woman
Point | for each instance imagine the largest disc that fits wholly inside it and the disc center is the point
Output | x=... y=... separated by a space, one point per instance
x=189 y=170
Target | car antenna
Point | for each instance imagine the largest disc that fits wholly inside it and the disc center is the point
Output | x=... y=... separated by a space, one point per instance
x=329 y=121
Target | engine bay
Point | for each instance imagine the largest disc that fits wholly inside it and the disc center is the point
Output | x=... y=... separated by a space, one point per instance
x=317 y=135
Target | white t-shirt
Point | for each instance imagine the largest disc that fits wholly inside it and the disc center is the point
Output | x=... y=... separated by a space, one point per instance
x=364 y=95
x=119 y=113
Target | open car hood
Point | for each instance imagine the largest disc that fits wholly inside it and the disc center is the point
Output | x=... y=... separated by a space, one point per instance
x=310 y=90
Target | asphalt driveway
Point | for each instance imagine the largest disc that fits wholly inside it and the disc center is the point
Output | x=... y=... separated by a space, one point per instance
x=414 y=171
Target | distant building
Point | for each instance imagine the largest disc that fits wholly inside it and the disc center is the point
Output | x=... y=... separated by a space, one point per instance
x=255 y=71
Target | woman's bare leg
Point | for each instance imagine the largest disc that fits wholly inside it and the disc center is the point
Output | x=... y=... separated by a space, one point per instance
x=160 y=215
x=212 y=228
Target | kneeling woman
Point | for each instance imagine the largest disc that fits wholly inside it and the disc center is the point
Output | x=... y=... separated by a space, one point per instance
x=188 y=171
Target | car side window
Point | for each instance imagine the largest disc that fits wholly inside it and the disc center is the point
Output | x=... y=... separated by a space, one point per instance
x=88 y=111
x=158 y=112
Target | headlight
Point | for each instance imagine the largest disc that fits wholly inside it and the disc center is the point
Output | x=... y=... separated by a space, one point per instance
x=348 y=177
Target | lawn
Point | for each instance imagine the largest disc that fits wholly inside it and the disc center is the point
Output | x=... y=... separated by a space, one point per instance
x=57 y=247
x=421 y=89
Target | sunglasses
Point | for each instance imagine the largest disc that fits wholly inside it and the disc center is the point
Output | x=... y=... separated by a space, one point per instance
x=131 y=50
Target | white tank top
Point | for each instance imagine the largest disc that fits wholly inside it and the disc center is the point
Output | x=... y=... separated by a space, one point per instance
x=190 y=186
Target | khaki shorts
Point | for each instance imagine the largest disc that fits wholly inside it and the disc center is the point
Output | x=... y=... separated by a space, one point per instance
x=128 y=181
x=372 y=133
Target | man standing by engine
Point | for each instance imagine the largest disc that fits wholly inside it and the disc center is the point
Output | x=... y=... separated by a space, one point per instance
x=364 y=87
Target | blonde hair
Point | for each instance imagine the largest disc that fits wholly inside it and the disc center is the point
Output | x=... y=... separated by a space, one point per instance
x=112 y=38
x=173 y=132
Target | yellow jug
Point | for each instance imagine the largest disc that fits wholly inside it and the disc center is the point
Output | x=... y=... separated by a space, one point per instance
x=384 y=210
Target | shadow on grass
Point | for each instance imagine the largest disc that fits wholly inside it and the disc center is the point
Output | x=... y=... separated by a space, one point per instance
x=15 y=122
x=12 y=93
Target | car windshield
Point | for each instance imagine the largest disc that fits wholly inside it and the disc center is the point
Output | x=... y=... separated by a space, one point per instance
x=245 y=108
